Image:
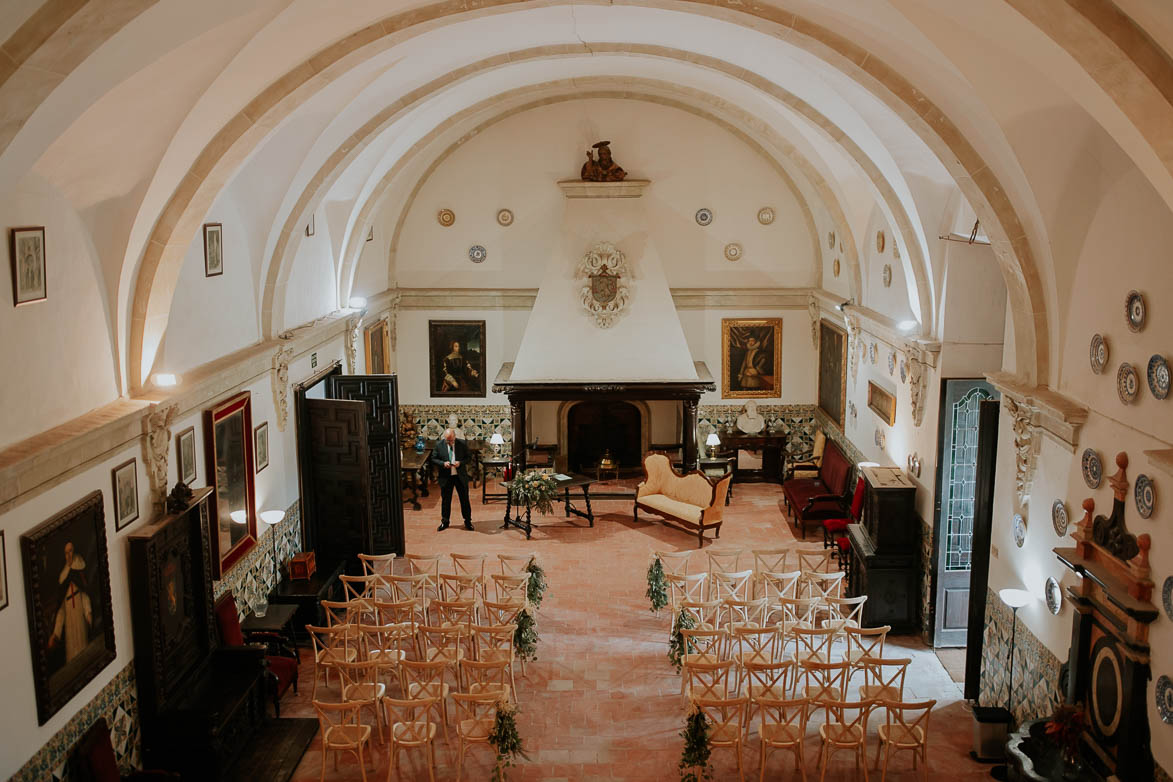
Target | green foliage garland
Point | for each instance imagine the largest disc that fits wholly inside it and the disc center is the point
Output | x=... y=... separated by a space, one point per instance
x=657 y=585
x=536 y=589
x=506 y=740
x=525 y=637
x=676 y=644
x=534 y=489
x=694 y=758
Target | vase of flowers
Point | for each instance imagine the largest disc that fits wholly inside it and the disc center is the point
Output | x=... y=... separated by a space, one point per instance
x=535 y=490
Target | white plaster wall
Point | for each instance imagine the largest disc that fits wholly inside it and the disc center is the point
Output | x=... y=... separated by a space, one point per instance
x=311 y=290
x=892 y=300
x=58 y=352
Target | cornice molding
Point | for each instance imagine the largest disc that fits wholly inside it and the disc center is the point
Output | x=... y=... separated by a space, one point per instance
x=1057 y=414
x=879 y=326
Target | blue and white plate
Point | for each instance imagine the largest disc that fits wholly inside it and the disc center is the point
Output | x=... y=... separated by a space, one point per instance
x=1019 y=530
x=477 y=253
x=872 y=352
x=891 y=363
x=1165 y=699
x=1134 y=310
x=1059 y=517
x=1146 y=495
x=1167 y=597
x=704 y=216
x=1159 y=376
x=1127 y=383
x=903 y=370
x=1098 y=354
x=1093 y=469
x=1054 y=594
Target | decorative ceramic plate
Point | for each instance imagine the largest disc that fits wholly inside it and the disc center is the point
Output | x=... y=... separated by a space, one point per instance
x=1093 y=469
x=1059 y=517
x=1135 y=310
x=835 y=267
x=872 y=351
x=1127 y=383
x=766 y=215
x=1054 y=596
x=887 y=275
x=851 y=409
x=880 y=438
x=446 y=217
x=1145 y=494
x=704 y=216
x=903 y=370
x=733 y=251
x=477 y=254
x=879 y=241
x=1019 y=530
x=1158 y=376
x=1165 y=699
x=891 y=363
x=831 y=239
x=504 y=217
x=1167 y=597
x=1098 y=353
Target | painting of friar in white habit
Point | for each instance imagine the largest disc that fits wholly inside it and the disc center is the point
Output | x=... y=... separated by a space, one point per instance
x=28 y=265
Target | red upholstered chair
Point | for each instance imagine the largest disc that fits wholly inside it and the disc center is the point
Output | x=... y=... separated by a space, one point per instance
x=93 y=760
x=833 y=529
x=281 y=661
x=810 y=501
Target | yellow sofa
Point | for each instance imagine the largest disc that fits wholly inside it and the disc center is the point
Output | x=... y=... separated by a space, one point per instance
x=692 y=500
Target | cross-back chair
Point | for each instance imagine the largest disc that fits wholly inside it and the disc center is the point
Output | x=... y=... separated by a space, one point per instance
x=775 y=587
x=510 y=586
x=331 y=645
x=486 y=676
x=515 y=564
x=475 y=716
x=705 y=615
x=844 y=612
x=702 y=646
x=822 y=682
x=726 y=717
x=684 y=587
x=823 y=585
x=675 y=563
x=906 y=729
x=812 y=560
x=730 y=586
x=469 y=564
x=361 y=685
x=864 y=642
x=462 y=586
x=767 y=560
x=410 y=726
x=446 y=644
x=428 y=566
x=769 y=680
x=782 y=726
x=744 y=613
x=813 y=643
x=386 y=646
x=504 y=612
x=494 y=643
x=846 y=728
x=707 y=679
x=381 y=565
x=883 y=678
x=724 y=559
x=425 y=679
x=342 y=731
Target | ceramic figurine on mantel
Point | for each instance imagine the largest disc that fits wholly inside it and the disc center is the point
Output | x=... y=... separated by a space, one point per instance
x=604 y=169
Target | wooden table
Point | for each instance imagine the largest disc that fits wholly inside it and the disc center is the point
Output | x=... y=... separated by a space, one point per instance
x=566 y=484
x=278 y=620
x=774 y=448
x=411 y=467
x=494 y=462
x=307 y=595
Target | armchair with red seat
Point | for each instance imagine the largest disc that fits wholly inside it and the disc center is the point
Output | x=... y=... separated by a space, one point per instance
x=93 y=760
x=281 y=661
x=810 y=501
x=835 y=530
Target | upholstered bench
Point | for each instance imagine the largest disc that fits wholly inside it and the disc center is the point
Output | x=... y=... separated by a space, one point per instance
x=692 y=500
x=812 y=500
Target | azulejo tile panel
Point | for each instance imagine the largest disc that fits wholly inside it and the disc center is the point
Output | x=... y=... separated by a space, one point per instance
x=1036 y=669
x=797 y=421
x=478 y=421
x=253 y=576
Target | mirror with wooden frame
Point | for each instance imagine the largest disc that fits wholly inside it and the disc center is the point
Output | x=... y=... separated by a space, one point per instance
x=228 y=448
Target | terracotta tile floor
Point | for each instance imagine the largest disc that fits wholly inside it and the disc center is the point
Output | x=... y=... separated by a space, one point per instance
x=602 y=700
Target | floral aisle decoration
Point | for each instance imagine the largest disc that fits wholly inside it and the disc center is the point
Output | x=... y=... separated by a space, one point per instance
x=525 y=636
x=1065 y=728
x=657 y=585
x=535 y=590
x=534 y=489
x=506 y=740
x=694 y=758
x=677 y=645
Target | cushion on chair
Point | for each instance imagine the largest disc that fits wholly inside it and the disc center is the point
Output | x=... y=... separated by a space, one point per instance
x=285 y=669
x=99 y=755
x=835 y=470
x=820 y=444
x=857 y=499
x=229 y=621
x=835 y=525
x=673 y=507
x=843 y=543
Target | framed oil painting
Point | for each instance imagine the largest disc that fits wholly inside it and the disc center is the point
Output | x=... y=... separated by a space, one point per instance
x=27 y=246
x=261 y=445
x=125 y=478
x=751 y=357
x=882 y=402
x=185 y=448
x=67 y=589
x=832 y=371
x=228 y=456
x=456 y=357
x=213 y=249
x=3 y=573
x=378 y=340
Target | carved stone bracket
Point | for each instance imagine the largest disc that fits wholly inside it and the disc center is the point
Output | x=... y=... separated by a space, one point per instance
x=812 y=304
x=918 y=382
x=280 y=380
x=351 y=336
x=853 y=343
x=156 y=442
x=393 y=324
x=1026 y=447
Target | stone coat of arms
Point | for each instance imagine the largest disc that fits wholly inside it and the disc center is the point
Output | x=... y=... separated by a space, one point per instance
x=606 y=290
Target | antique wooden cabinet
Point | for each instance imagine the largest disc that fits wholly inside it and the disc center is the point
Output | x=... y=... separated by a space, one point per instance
x=200 y=704
x=885 y=551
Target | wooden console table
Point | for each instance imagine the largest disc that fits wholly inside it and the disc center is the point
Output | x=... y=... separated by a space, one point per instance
x=574 y=481
x=307 y=594
x=772 y=445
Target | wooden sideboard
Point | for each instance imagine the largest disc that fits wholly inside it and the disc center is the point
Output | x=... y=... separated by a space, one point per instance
x=772 y=446
x=885 y=551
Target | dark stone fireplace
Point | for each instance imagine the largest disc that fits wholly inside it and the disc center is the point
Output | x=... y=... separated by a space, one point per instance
x=596 y=426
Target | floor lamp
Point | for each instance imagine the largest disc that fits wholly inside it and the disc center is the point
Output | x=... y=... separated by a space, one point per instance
x=273 y=518
x=1015 y=599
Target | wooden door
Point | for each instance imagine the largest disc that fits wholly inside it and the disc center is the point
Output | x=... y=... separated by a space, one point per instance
x=337 y=471
x=379 y=395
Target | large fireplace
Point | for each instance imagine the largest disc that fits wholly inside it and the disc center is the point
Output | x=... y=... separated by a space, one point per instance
x=594 y=427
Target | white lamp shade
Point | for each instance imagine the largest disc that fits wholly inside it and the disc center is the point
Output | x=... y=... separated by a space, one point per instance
x=272 y=516
x=497 y=439
x=239 y=516
x=1015 y=598
x=712 y=439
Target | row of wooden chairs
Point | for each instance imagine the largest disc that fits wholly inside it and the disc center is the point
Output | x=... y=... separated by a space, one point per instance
x=750 y=585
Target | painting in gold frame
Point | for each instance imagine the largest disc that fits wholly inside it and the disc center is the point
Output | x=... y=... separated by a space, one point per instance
x=751 y=358
x=378 y=343
x=882 y=402
x=832 y=371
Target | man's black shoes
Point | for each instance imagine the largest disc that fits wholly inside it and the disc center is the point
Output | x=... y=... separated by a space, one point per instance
x=468 y=526
x=443 y=526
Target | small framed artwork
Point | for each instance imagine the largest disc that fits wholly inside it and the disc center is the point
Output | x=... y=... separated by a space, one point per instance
x=213 y=249
x=125 y=477
x=751 y=358
x=882 y=402
x=261 y=445
x=186 y=456
x=833 y=371
x=311 y=226
x=28 y=265
x=3 y=573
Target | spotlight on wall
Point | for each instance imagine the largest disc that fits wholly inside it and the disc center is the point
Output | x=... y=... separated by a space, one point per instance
x=164 y=379
x=905 y=326
x=843 y=305
x=358 y=303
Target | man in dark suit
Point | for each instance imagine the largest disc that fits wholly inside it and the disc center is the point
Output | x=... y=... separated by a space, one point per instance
x=450 y=455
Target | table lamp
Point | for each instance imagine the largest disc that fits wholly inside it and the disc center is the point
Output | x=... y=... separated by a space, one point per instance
x=711 y=442
x=497 y=441
x=273 y=518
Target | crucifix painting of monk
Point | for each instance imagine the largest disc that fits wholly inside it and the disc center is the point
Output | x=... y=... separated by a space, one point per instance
x=751 y=358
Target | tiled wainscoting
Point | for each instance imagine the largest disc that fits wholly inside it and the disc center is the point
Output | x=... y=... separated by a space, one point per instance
x=118 y=701
x=798 y=421
x=478 y=421
x=1036 y=670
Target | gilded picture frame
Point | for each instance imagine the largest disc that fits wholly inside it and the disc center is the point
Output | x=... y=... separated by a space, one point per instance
x=882 y=402
x=751 y=358
x=456 y=358
x=832 y=393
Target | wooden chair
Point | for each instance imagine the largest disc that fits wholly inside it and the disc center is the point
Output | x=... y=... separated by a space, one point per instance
x=783 y=726
x=504 y=612
x=765 y=680
x=813 y=644
x=410 y=726
x=331 y=646
x=462 y=586
x=446 y=644
x=902 y=734
x=413 y=587
x=515 y=564
x=469 y=565
x=485 y=677
x=823 y=585
x=726 y=718
x=812 y=560
x=843 y=612
x=455 y=613
x=386 y=646
x=730 y=586
x=702 y=646
x=822 y=682
x=755 y=645
x=428 y=566
x=706 y=615
x=342 y=732
x=724 y=559
x=380 y=565
x=846 y=728
x=864 y=642
x=494 y=643
x=767 y=560
x=799 y=612
x=707 y=680
x=744 y=613
x=423 y=679
x=361 y=685
x=510 y=586
x=776 y=586
x=883 y=679
x=475 y=716
x=675 y=563
x=683 y=587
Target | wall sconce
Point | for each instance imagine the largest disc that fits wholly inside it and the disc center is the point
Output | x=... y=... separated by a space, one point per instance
x=843 y=305
x=165 y=379
x=239 y=516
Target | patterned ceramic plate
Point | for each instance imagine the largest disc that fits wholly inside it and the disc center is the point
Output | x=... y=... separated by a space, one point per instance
x=1135 y=310
x=1146 y=495
x=1165 y=699
x=733 y=251
x=1054 y=596
x=446 y=217
x=835 y=267
x=1167 y=597
x=891 y=363
x=880 y=241
x=1098 y=353
x=765 y=215
x=1019 y=530
x=704 y=216
x=477 y=253
x=831 y=239
x=1159 y=376
x=887 y=275
x=505 y=217
x=903 y=370
x=1059 y=517
x=1127 y=383
x=1093 y=469
x=872 y=351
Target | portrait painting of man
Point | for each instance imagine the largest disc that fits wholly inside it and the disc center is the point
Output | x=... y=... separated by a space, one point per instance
x=28 y=265
x=456 y=350
x=751 y=358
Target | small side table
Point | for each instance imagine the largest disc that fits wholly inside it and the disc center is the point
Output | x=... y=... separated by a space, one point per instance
x=278 y=620
x=498 y=463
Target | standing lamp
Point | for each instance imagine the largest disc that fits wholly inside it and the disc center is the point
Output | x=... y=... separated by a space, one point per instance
x=273 y=518
x=496 y=441
x=711 y=442
x=1015 y=599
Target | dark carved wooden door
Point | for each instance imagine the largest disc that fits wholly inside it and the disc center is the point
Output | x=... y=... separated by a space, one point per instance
x=380 y=397
x=338 y=456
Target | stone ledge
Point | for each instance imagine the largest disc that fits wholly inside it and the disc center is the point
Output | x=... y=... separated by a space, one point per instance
x=1055 y=413
x=629 y=188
